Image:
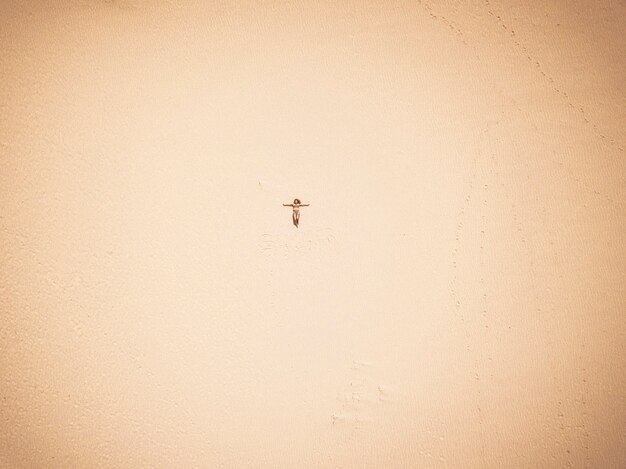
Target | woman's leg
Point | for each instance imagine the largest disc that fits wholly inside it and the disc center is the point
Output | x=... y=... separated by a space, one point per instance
x=295 y=220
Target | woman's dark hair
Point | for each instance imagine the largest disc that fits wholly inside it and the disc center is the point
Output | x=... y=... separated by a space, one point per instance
x=296 y=201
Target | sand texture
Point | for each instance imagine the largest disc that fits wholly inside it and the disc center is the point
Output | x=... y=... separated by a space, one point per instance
x=454 y=297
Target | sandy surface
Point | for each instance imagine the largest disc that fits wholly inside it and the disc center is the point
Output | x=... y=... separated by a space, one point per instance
x=454 y=296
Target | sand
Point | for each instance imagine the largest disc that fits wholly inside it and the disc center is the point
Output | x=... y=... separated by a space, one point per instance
x=454 y=296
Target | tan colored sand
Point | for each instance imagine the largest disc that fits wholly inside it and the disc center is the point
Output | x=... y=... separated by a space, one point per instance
x=454 y=296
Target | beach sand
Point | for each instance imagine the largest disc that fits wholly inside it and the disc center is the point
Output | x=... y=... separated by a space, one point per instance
x=453 y=298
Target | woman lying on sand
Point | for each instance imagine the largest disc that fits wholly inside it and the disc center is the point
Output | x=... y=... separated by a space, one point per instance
x=296 y=210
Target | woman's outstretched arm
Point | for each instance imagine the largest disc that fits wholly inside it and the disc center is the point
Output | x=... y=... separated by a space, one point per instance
x=287 y=205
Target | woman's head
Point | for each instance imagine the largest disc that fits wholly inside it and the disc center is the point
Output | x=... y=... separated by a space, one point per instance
x=296 y=201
